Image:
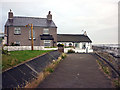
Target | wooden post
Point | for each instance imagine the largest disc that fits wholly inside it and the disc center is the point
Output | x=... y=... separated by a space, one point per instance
x=31 y=36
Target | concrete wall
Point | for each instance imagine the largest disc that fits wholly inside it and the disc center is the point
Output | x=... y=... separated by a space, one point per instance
x=17 y=48
x=25 y=73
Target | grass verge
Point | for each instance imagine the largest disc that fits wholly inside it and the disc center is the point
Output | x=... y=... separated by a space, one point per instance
x=16 y=57
x=107 y=71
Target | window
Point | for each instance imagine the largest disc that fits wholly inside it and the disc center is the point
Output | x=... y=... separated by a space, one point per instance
x=17 y=43
x=47 y=43
x=77 y=45
x=45 y=31
x=17 y=30
x=83 y=46
x=30 y=34
x=70 y=44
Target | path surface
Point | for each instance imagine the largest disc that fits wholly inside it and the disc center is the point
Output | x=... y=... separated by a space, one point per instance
x=77 y=71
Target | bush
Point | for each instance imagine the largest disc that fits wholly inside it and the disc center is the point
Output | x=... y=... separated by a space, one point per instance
x=49 y=70
x=51 y=47
x=63 y=55
x=71 y=51
x=60 y=45
x=5 y=45
x=12 y=44
x=4 y=51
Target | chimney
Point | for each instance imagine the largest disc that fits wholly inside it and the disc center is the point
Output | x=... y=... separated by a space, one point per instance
x=10 y=16
x=49 y=16
x=85 y=33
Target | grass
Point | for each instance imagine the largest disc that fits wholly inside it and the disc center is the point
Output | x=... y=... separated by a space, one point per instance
x=117 y=83
x=49 y=70
x=52 y=66
x=16 y=57
x=51 y=47
x=106 y=69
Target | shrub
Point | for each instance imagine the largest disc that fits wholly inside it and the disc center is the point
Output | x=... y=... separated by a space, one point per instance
x=71 y=51
x=12 y=44
x=51 y=47
x=4 y=51
x=60 y=45
x=5 y=45
x=63 y=55
x=49 y=70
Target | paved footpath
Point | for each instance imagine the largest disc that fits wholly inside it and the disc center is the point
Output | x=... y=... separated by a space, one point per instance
x=77 y=71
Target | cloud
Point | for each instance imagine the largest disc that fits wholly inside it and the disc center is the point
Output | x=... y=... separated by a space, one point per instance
x=97 y=17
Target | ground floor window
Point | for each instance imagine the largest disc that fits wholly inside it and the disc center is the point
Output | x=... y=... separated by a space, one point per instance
x=70 y=44
x=77 y=45
x=47 y=43
x=17 y=43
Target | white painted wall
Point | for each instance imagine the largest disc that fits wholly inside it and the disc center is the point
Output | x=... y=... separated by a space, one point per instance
x=78 y=49
x=18 y=48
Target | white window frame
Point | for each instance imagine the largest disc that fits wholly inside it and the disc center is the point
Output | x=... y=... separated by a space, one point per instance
x=47 y=42
x=17 y=30
x=83 y=46
x=30 y=34
x=45 y=31
x=17 y=42
x=77 y=45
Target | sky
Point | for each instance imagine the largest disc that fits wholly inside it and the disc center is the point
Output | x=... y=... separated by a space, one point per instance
x=99 y=18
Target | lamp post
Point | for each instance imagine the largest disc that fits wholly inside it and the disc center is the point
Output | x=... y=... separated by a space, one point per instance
x=31 y=26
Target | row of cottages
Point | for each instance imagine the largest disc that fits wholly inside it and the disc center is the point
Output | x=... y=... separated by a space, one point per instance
x=44 y=33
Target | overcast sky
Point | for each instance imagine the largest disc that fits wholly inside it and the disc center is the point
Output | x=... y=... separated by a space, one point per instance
x=98 y=17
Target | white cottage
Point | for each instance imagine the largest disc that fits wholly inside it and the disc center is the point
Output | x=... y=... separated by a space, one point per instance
x=81 y=43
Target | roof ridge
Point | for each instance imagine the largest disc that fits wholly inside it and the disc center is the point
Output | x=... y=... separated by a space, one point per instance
x=28 y=17
x=70 y=34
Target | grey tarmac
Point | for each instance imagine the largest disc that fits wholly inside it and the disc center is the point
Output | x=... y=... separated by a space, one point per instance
x=77 y=71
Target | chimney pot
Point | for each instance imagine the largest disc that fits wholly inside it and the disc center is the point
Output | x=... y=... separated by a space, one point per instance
x=49 y=16
x=10 y=16
x=85 y=33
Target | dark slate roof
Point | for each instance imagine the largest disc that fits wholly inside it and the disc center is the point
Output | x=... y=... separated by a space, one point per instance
x=46 y=37
x=22 y=21
x=72 y=38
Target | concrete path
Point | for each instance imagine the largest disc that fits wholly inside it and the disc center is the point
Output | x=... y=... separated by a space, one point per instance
x=77 y=71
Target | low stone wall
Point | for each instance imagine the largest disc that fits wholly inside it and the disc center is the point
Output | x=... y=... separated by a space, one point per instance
x=25 y=73
x=18 y=48
x=77 y=50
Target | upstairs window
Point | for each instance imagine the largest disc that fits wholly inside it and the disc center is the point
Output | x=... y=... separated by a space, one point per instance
x=17 y=30
x=30 y=34
x=45 y=31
